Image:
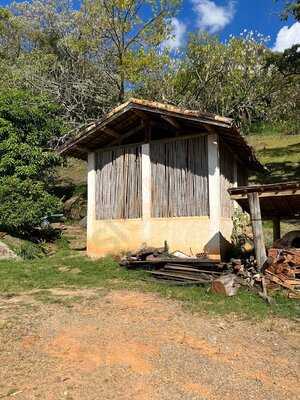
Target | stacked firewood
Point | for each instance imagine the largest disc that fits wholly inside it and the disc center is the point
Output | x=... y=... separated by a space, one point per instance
x=283 y=269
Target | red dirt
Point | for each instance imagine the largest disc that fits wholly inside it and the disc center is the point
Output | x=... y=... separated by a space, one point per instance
x=130 y=345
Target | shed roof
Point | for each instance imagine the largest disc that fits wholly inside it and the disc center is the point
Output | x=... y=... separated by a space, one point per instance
x=130 y=119
x=276 y=200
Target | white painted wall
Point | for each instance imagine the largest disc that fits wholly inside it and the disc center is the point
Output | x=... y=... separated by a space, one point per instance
x=214 y=191
x=91 y=193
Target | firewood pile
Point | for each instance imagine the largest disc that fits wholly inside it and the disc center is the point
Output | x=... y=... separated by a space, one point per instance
x=283 y=269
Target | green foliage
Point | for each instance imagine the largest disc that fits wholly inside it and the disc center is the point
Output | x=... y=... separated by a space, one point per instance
x=292 y=8
x=27 y=123
x=241 y=223
x=23 y=204
x=229 y=79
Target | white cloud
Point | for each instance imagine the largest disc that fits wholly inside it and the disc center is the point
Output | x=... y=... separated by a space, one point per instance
x=177 y=35
x=211 y=17
x=287 y=37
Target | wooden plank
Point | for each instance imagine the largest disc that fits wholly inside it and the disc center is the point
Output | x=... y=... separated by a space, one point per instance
x=181 y=276
x=267 y=194
x=255 y=213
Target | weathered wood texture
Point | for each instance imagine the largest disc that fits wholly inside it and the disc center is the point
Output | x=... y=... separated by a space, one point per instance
x=119 y=183
x=227 y=161
x=179 y=171
x=258 y=235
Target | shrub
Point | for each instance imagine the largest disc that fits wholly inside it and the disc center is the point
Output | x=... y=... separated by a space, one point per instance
x=27 y=165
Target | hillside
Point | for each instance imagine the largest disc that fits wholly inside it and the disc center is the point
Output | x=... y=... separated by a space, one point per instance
x=278 y=150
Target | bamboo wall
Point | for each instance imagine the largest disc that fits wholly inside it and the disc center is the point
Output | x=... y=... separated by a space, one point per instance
x=227 y=162
x=179 y=175
x=119 y=183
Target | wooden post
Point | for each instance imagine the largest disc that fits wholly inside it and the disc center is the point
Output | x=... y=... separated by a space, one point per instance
x=258 y=235
x=276 y=228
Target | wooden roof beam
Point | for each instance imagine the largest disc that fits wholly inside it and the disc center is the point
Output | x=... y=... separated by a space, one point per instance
x=142 y=115
x=111 y=132
x=127 y=135
x=171 y=121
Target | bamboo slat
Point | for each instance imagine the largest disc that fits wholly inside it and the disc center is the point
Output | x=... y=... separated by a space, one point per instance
x=179 y=171
x=119 y=183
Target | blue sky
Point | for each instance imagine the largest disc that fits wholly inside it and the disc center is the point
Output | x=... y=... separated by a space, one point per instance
x=225 y=17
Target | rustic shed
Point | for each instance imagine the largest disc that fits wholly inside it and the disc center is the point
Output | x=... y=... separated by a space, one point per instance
x=159 y=173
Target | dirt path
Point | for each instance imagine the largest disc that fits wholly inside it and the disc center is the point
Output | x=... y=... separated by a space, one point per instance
x=134 y=346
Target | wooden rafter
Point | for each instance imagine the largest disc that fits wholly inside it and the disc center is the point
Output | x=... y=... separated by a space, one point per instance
x=111 y=132
x=127 y=134
x=171 y=121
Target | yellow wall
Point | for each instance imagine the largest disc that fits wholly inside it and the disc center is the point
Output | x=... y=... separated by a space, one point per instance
x=185 y=234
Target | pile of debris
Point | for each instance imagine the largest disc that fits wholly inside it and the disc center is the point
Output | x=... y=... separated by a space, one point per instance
x=282 y=268
x=175 y=266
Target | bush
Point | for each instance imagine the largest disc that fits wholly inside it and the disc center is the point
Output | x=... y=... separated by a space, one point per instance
x=27 y=165
x=23 y=204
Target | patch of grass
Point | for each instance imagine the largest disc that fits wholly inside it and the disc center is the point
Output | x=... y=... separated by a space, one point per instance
x=278 y=150
x=245 y=304
x=106 y=274
x=56 y=271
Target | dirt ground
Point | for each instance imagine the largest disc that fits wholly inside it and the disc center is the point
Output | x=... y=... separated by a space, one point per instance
x=135 y=346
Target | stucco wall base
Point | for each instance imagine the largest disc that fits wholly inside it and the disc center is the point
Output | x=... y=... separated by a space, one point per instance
x=187 y=234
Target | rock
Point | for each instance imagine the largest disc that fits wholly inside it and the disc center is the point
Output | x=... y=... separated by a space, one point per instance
x=6 y=253
x=83 y=222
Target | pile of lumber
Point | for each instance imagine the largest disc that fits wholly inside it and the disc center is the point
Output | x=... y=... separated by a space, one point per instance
x=283 y=269
x=196 y=273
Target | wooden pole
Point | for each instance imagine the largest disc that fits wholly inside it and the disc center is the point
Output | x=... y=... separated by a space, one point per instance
x=258 y=235
x=276 y=229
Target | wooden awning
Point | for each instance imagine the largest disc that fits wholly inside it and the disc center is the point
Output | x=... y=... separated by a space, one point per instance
x=128 y=123
x=278 y=200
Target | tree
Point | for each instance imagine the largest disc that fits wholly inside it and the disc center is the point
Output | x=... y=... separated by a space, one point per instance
x=291 y=8
x=131 y=33
x=87 y=58
x=27 y=168
x=228 y=78
x=288 y=62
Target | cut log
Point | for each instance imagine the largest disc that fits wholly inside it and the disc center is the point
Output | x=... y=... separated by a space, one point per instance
x=226 y=284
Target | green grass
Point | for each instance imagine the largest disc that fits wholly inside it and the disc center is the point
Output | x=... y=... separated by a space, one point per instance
x=278 y=150
x=56 y=271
